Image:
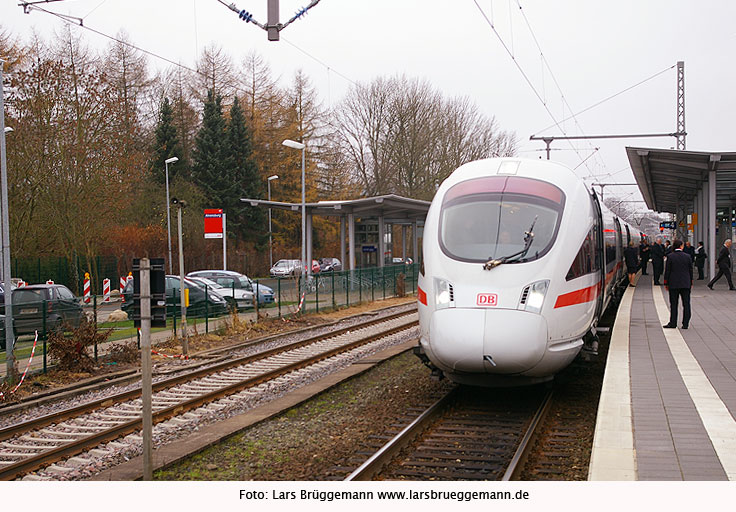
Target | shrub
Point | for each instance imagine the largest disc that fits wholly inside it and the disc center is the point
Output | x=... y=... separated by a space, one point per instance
x=70 y=352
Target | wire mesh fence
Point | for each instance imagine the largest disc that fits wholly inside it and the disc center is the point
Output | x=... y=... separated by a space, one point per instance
x=275 y=297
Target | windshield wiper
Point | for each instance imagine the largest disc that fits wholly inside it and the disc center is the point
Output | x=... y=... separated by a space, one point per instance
x=528 y=239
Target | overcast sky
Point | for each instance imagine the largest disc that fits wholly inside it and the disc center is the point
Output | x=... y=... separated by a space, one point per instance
x=594 y=49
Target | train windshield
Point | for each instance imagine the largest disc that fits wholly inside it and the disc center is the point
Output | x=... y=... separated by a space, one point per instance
x=487 y=218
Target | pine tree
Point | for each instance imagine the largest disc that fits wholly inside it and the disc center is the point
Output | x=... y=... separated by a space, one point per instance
x=166 y=146
x=249 y=222
x=214 y=168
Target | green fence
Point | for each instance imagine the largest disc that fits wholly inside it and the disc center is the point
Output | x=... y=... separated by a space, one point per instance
x=319 y=292
x=69 y=272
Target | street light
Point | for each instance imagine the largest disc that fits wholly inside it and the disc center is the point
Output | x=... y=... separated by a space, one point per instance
x=168 y=209
x=298 y=145
x=184 y=339
x=270 y=242
x=5 y=236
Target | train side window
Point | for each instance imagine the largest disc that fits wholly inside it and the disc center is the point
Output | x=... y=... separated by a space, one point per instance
x=585 y=261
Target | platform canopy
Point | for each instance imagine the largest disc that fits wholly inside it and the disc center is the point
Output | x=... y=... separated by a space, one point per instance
x=669 y=178
x=393 y=208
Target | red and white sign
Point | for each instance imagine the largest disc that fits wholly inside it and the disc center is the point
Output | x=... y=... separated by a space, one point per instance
x=213 y=223
x=487 y=299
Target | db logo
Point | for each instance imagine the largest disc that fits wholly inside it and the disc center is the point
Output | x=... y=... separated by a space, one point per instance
x=487 y=299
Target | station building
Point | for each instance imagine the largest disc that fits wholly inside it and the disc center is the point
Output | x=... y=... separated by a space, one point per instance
x=366 y=227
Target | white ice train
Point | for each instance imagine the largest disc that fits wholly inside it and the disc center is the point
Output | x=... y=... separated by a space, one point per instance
x=520 y=261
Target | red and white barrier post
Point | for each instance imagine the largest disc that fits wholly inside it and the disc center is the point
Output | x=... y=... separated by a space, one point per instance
x=123 y=280
x=106 y=290
x=21 y=283
x=49 y=282
x=87 y=289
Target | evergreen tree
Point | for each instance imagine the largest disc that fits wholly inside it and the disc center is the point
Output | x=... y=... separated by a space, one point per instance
x=166 y=146
x=214 y=168
x=249 y=222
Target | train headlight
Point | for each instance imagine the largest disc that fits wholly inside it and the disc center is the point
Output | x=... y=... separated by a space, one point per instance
x=533 y=297
x=443 y=294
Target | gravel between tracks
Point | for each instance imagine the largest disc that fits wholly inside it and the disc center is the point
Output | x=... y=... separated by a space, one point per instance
x=307 y=442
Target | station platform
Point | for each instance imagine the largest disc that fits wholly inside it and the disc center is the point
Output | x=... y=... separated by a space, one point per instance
x=668 y=401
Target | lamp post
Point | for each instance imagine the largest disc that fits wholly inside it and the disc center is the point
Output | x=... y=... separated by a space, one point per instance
x=298 y=145
x=5 y=218
x=182 y=288
x=168 y=209
x=270 y=241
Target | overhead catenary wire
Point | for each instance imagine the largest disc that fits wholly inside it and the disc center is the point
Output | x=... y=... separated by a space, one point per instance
x=525 y=76
x=604 y=100
x=71 y=20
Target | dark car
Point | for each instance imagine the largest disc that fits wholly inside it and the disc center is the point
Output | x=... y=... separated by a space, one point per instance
x=199 y=303
x=329 y=265
x=49 y=305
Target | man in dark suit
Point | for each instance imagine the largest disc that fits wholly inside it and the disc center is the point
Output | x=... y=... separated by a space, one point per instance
x=700 y=256
x=644 y=256
x=724 y=265
x=678 y=279
x=657 y=254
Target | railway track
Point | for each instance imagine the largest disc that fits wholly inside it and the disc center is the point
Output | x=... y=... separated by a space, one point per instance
x=463 y=437
x=28 y=446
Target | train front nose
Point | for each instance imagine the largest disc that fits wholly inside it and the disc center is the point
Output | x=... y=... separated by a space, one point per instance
x=499 y=341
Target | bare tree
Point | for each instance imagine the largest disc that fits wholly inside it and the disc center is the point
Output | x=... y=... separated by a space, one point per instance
x=402 y=136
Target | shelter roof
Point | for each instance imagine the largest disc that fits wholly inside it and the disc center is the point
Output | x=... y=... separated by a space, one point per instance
x=668 y=177
x=396 y=208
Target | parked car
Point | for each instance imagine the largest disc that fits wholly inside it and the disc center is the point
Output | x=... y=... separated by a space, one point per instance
x=241 y=283
x=61 y=307
x=329 y=265
x=2 y=332
x=284 y=268
x=2 y=294
x=399 y=261
x=199 y=302
x=236 y=298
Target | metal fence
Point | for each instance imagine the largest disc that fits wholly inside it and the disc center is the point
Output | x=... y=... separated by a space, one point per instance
x=292 y=295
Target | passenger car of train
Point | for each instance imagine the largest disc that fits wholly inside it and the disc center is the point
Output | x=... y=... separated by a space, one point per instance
x=520 y=261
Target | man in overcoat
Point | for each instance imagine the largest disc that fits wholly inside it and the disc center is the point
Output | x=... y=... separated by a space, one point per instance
x=678 y=280
x=724 y=265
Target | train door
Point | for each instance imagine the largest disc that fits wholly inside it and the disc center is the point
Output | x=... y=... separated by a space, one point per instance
x=619 y=251
x=599 y=255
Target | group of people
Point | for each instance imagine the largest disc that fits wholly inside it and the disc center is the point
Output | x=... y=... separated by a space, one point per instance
x=677 y=262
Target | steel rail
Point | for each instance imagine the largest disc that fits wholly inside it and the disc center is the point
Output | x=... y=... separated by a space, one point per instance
x=12 y=471
x=42 y=421
x=522 y=452
x=383 y=456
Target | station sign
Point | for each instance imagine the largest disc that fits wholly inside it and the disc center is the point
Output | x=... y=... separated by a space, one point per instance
x=213 y=223
x=370 y=248
x=667 y=225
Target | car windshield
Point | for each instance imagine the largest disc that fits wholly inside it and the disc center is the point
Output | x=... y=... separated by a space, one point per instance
x=282 y=264
x=487 y=218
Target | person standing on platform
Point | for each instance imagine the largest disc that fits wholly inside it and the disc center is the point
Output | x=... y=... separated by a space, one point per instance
x=667 y=248
x=644 y=256
x=657 y=253
x=678 y=280
x=631 y=258
x=724 y=265
x=700 y=257
x=689 y=250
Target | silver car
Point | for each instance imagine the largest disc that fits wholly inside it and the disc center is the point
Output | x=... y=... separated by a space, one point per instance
x=239 y=298
x=285 y=268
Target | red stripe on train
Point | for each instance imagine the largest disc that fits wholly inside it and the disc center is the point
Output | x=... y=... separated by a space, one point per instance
x=578 y=296
x=422 y=296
